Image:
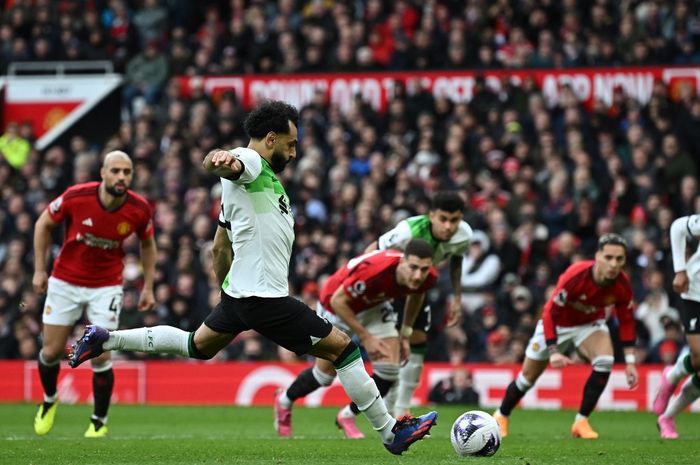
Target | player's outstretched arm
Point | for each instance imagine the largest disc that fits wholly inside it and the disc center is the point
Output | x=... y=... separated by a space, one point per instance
x=42 y=241
x=223 y=164
x=147 y=299
x=222 y=254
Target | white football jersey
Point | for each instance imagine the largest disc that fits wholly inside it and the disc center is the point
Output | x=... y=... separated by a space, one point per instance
x=682 y=229
x=258 y=219
x=418 y=227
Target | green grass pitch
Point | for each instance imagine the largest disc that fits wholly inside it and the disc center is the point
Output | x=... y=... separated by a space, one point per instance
x=236 y=435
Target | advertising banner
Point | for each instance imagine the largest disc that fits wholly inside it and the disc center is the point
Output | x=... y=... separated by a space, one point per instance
x=254 y=383
x=53 y=103
x=589 y=84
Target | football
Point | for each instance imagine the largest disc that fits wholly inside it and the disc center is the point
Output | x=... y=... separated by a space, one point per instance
x=475 y=433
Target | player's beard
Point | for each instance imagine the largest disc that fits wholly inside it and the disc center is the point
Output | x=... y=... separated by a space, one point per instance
x=114 y=192
x=278 y=162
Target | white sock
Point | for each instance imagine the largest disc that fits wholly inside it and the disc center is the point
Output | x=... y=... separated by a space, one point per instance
x=102 y=419
x=409 y=376
x=158 y=339
x=580 y=417
x=363 y=391
x=51 y=399
x=689 y=393
x=285 y=401
x=390 y=397
x=346 y=412
x=675 y=374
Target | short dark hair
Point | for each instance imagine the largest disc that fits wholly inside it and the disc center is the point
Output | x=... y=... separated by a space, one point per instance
x=270 y=116
x=612 y=239
x=449 y=201
x=419 y=248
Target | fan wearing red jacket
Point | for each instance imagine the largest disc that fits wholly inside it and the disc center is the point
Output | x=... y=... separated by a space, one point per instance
x=87 y=275
x=357 y=300
x=586 y=295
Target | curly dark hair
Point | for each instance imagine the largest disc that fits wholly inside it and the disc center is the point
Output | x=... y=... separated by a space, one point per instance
x=449 y=201
x=270 y=115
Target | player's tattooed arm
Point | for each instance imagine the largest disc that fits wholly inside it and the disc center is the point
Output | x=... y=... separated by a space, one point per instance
x=223 y=164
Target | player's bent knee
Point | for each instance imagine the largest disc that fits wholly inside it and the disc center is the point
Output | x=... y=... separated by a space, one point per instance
x=603 y=363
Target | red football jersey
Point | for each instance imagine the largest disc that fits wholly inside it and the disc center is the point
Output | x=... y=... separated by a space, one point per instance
x=371 y=279
x=91 y=254
x=578 y=300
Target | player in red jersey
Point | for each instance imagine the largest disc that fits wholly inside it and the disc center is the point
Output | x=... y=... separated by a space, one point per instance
x=356 y=299
x=586 y=295
x=87 y=274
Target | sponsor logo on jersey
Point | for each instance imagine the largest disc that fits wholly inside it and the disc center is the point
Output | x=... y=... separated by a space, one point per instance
x=56 y=205
x=87 y=222
x=357 y=288
x=94 y=241
x=123 y=228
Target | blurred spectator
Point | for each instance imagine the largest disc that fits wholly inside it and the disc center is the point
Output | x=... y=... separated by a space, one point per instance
x=458 y=388
x=146 y=74
x=13 y=147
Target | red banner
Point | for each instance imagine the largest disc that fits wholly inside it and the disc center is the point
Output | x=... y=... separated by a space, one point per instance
x=589 y=84
x=181 y=382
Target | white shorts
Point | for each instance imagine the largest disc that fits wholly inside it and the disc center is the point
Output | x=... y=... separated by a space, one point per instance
x=380 y=321
x=537 y=347
x=65 y=303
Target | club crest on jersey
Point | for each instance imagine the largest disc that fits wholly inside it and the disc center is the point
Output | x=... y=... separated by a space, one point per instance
x=48 y=310
x=56 y=205
x=560 y=298
x=123 y=228
x=357 y=288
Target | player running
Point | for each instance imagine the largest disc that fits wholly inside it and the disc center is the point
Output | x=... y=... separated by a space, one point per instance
x=257 y=228
x=356 y=299
x=585 y=296
x=450 y=237
x=87 y=274
x=687 y=283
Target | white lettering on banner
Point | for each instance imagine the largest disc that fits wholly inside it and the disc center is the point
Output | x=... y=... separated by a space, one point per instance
x=637 y=85
x=257 y=379
x=67 y=392
x=49 y=90
x=617 y=382
x=457 y=88
x=233 y=83
x=343 y=91
x=296 y=92
x=486 y=379
x=550 y=380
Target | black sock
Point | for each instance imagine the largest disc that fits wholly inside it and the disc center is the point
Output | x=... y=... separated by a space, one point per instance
x=592 y=390
x=511 y=399
x=305 y=384
x=49 y=377
x=102 y=384
x=383 y=385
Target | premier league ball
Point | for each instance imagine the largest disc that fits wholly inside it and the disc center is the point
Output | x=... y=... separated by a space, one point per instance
x=475 y=433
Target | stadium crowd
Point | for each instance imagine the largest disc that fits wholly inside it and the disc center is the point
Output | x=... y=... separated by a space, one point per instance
x=541 y=182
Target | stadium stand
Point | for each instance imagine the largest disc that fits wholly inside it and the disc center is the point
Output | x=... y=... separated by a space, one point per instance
x=542 y=180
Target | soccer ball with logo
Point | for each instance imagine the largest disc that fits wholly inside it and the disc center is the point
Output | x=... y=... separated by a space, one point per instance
x=475 y=433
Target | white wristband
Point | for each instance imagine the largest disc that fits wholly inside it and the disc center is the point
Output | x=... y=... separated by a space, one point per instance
x=630 y=359
x=406 y=331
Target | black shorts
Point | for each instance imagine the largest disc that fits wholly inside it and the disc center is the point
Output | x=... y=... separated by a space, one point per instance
x=284 y=320
x=690 y=313
x=423 y=319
